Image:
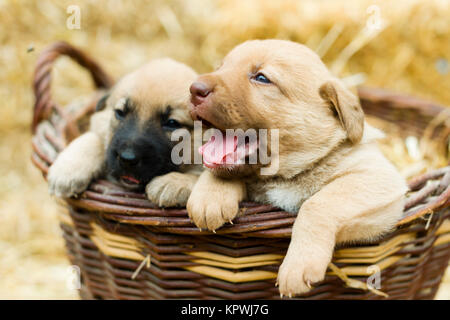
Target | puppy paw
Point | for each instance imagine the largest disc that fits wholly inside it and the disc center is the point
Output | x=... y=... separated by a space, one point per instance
x=212 y=210
x=214 y=201
x=65 y=182
x=171 y=190
x=76 y=166
x=299 y=272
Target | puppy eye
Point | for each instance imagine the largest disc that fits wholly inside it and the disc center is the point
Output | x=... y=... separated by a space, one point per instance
x=261 y=78
x=172 y=124
x=120 y=114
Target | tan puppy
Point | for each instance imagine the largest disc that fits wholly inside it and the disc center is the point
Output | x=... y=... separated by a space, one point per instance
x=130 y=137
x=330 y=169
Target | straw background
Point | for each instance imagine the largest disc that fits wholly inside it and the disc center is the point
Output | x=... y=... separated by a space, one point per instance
x=410 y=53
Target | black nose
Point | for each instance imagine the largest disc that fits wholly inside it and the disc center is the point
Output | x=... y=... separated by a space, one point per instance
x=128 y=157
x=199 y=91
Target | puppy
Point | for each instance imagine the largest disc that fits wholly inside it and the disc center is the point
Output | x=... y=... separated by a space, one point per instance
x=330 y=170
x=129 y=140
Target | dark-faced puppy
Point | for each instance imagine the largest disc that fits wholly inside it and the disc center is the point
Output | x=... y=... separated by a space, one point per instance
x=129 y=139
x=329 y=169
x=140 y=150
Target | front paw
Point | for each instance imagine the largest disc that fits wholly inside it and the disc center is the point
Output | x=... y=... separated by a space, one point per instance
x=65 y=182
x=299 y=272
x=211 y=210
x=170 y=190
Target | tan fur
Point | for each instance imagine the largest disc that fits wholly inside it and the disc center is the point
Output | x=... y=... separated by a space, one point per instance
x=152 y=88
x=172 y=189
x=331 y=171
x=347 y=106
x=214 y=201
x=76 y=166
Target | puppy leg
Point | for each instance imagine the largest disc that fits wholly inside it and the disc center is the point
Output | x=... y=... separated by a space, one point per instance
x=214 y=201
x=310 y=251
x=76 y=166
x=352 y=202
x=172 y=189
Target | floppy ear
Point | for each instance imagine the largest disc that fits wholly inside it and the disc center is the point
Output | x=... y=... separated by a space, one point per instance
x=101 y=104
x=347 y=108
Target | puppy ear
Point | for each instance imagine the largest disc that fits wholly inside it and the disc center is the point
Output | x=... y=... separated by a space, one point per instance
x=347 y=108
x=101 y=104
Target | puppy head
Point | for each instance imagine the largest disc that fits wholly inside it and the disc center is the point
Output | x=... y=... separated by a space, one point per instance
x=276 y=84
x=145 y=107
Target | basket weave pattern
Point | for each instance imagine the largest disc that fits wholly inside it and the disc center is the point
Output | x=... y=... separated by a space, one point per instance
x=128 y=248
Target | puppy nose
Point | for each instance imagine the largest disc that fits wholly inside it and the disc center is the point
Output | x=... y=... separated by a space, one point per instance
x=199 y=91
x=128 y=157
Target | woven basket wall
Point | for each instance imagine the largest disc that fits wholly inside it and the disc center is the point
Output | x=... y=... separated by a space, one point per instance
x=127 y=248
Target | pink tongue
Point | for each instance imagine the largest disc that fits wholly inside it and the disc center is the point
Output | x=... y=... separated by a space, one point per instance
x=219 y=149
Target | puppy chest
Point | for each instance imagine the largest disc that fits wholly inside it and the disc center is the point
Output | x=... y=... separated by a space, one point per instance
x=287 y=196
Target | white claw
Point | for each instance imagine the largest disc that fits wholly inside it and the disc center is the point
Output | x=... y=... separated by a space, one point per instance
x=231 y=222
x=290 y=295
x=308 y=283
x=281 y=295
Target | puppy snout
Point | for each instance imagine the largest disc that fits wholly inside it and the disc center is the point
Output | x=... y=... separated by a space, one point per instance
x=199 y=91
x=128 y=157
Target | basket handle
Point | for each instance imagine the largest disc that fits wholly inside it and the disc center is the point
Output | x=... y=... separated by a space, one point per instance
x=44 y=104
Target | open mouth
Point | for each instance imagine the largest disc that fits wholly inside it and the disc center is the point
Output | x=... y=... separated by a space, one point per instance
x=227 y=151
x=129 y=182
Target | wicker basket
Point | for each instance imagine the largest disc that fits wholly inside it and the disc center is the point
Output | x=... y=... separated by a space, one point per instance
x=127 y=248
